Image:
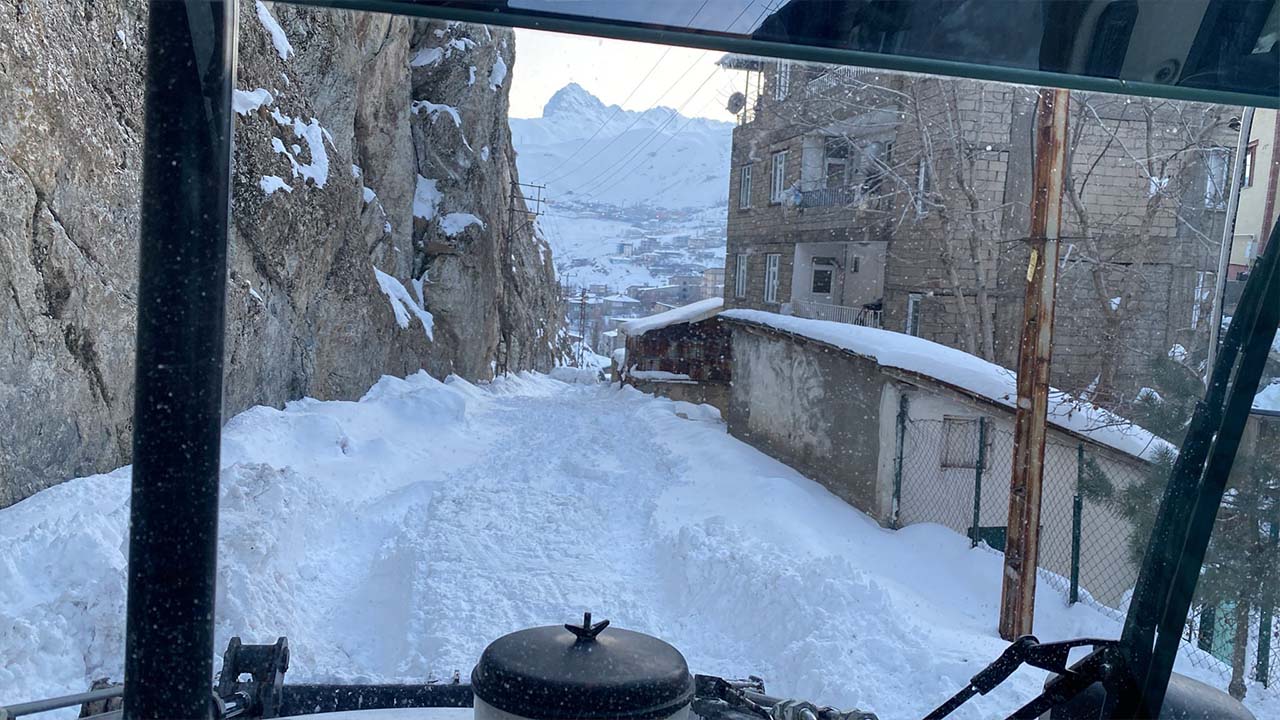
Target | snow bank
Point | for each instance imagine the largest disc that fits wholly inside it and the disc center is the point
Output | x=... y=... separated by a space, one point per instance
x=278 y=39
x=403 y=304
x=691 y=313
x=393 y=537
x=967 y=372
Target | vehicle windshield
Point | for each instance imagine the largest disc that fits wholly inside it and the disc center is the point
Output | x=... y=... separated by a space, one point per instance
x=748 y=354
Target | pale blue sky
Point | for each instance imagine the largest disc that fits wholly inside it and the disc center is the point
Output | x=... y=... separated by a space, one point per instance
x=610 y=70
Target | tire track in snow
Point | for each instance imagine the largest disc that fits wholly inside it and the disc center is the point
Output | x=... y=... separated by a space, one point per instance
x=553 y=519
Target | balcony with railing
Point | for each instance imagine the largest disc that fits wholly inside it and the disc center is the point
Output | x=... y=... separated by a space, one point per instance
x=865 y=317
x=852 y=196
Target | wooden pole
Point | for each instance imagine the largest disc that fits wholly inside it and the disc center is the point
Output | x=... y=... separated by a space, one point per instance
x=1022 y=550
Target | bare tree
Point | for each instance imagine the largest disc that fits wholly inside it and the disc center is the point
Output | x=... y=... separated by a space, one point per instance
x=1169 y=145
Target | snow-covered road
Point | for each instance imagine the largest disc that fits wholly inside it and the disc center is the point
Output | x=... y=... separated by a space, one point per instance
x=392 y=538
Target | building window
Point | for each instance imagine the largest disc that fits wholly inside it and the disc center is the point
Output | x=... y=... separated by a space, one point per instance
x=913 y=314
x=1215 y=182
x=924 y=186
x=778 y=179
x=744 y=187
x=856 y=264
x=1204 y=291
x=771 y=277
x=1250 y=164
x=836 y=161
x=740 y=276
x=877 y=158
x=959 y=442
x=821 y=281
x=782 y=80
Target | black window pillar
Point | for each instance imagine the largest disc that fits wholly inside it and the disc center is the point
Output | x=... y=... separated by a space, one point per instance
x=173 y=530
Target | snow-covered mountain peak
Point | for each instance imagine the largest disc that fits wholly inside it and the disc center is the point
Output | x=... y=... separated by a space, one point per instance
x=587 y=151
x=573 y=99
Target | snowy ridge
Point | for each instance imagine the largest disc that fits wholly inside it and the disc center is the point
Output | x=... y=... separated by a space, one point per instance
x=967 y=372
x=386 y=558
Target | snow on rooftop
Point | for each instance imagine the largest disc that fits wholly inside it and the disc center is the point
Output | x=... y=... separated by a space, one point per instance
x=693 y=312
x=402 y=303
x=620 y=298
x=278 y=38
x=967 y=372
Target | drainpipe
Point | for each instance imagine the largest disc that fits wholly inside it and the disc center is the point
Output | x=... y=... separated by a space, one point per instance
x=1228 y=239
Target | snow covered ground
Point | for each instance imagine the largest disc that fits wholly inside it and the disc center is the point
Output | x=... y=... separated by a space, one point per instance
x=393 y=537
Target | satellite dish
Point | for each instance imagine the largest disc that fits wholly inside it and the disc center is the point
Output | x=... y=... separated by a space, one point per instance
x=737 y=101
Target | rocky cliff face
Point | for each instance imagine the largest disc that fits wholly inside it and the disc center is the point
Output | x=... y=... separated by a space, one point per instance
x=374 y=226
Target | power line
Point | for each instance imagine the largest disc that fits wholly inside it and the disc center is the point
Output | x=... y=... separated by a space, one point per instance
x=609 y=171
x=618 y=108
x=613 y=170
x=656 y=150
x=638 y=117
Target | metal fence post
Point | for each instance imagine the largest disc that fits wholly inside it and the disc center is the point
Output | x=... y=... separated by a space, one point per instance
x=1263 y=669
x=1077 y=513
x=977 y=481
x=900 y=441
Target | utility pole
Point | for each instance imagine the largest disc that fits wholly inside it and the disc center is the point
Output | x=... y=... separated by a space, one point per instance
x=582 y=326
x=1022 y=548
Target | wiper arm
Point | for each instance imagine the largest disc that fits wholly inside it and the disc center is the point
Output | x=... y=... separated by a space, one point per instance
x=1027 y=650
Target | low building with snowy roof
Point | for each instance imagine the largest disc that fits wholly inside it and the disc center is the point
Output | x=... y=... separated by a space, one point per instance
x=912 y=431
x=683 y=353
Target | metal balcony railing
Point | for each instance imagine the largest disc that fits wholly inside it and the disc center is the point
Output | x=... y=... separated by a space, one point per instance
x=837 y=313
x=844 y=196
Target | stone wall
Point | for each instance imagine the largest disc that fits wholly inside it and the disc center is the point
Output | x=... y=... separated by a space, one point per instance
x=337 y=140
x=812 y=407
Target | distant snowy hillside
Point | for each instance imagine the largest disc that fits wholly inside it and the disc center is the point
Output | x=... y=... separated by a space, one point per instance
x=655 y=157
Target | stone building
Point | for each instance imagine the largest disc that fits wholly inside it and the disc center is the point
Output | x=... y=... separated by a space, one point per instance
x=900 y=202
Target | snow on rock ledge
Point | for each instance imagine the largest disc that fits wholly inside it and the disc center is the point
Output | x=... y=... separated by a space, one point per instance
x=402 y=303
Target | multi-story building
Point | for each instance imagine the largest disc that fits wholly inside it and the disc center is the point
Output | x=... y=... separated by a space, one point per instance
x=1259 y=193
x=901 y=201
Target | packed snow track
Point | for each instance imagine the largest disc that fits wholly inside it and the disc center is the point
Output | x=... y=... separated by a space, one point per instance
x=392 y=538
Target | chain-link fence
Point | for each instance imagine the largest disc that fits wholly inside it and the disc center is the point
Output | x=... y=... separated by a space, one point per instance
x=1097 y=508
